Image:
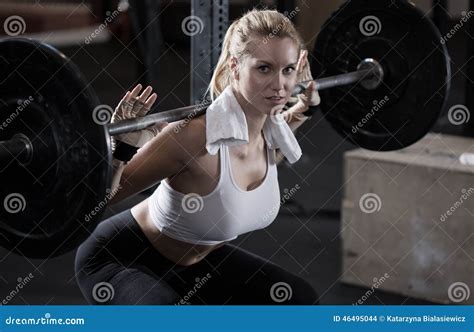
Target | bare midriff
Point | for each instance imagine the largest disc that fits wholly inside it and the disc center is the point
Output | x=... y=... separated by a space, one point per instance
x=182 y=253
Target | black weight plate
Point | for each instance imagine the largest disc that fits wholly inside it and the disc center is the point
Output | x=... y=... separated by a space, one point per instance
x=417 y=73
x=46 y=204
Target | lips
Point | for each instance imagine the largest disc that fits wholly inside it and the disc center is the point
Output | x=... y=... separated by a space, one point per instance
x=276 y=99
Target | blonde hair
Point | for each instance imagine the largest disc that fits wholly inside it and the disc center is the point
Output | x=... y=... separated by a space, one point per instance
x=239 y=37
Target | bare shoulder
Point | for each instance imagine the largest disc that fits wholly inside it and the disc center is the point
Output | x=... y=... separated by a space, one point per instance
x=190 y=137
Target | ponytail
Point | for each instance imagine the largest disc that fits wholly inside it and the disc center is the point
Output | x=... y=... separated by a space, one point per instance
x=221 y=76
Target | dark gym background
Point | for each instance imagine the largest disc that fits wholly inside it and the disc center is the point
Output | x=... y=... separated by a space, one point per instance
x=305 y=237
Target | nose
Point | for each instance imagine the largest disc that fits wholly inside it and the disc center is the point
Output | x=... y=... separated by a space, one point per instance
x=278 y=82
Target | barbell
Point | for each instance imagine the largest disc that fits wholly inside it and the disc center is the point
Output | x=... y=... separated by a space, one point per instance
x=382 y=91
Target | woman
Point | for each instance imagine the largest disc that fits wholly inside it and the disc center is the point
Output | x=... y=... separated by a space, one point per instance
x=159 y=252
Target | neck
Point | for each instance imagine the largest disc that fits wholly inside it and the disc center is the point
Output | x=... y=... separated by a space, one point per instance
x=255 y=119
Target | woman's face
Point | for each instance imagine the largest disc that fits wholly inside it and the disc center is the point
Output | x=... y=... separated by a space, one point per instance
x=266 y=77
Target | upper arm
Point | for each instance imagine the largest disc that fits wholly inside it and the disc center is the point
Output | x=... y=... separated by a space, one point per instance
x=167 y=154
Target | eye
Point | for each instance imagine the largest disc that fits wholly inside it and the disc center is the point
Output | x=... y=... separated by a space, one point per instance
x=288 y=70
x=263 y=68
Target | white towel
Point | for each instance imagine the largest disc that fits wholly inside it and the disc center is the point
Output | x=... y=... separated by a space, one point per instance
x=226 y=123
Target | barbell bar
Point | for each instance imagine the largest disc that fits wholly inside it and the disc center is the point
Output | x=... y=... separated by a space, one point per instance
x=369 y=73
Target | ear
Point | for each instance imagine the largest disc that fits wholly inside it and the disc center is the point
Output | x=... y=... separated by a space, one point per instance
x=234 y=67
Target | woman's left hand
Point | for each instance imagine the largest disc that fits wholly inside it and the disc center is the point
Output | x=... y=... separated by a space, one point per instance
x=310 y=97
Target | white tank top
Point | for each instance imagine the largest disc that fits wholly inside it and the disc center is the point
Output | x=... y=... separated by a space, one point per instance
x=223 y=214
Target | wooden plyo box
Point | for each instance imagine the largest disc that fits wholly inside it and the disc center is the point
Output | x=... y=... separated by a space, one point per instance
x=409 y=214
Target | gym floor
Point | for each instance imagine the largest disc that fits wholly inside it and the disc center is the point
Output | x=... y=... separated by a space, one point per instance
x=299 y=240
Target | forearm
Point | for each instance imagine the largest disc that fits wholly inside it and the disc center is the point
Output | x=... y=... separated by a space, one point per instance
x=118 y=167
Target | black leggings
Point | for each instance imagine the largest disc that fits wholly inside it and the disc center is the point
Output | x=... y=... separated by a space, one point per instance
x=117 y=264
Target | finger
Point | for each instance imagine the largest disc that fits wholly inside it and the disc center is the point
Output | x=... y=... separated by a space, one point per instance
x=304 y=56
x=301 y=60
x=305 y=61
x=298 y=64
x=150 y=101
x=145 y=94
x=126 y=97
x=309 y=89
x=135 y=91
x=314 y=98
x=303 y=98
